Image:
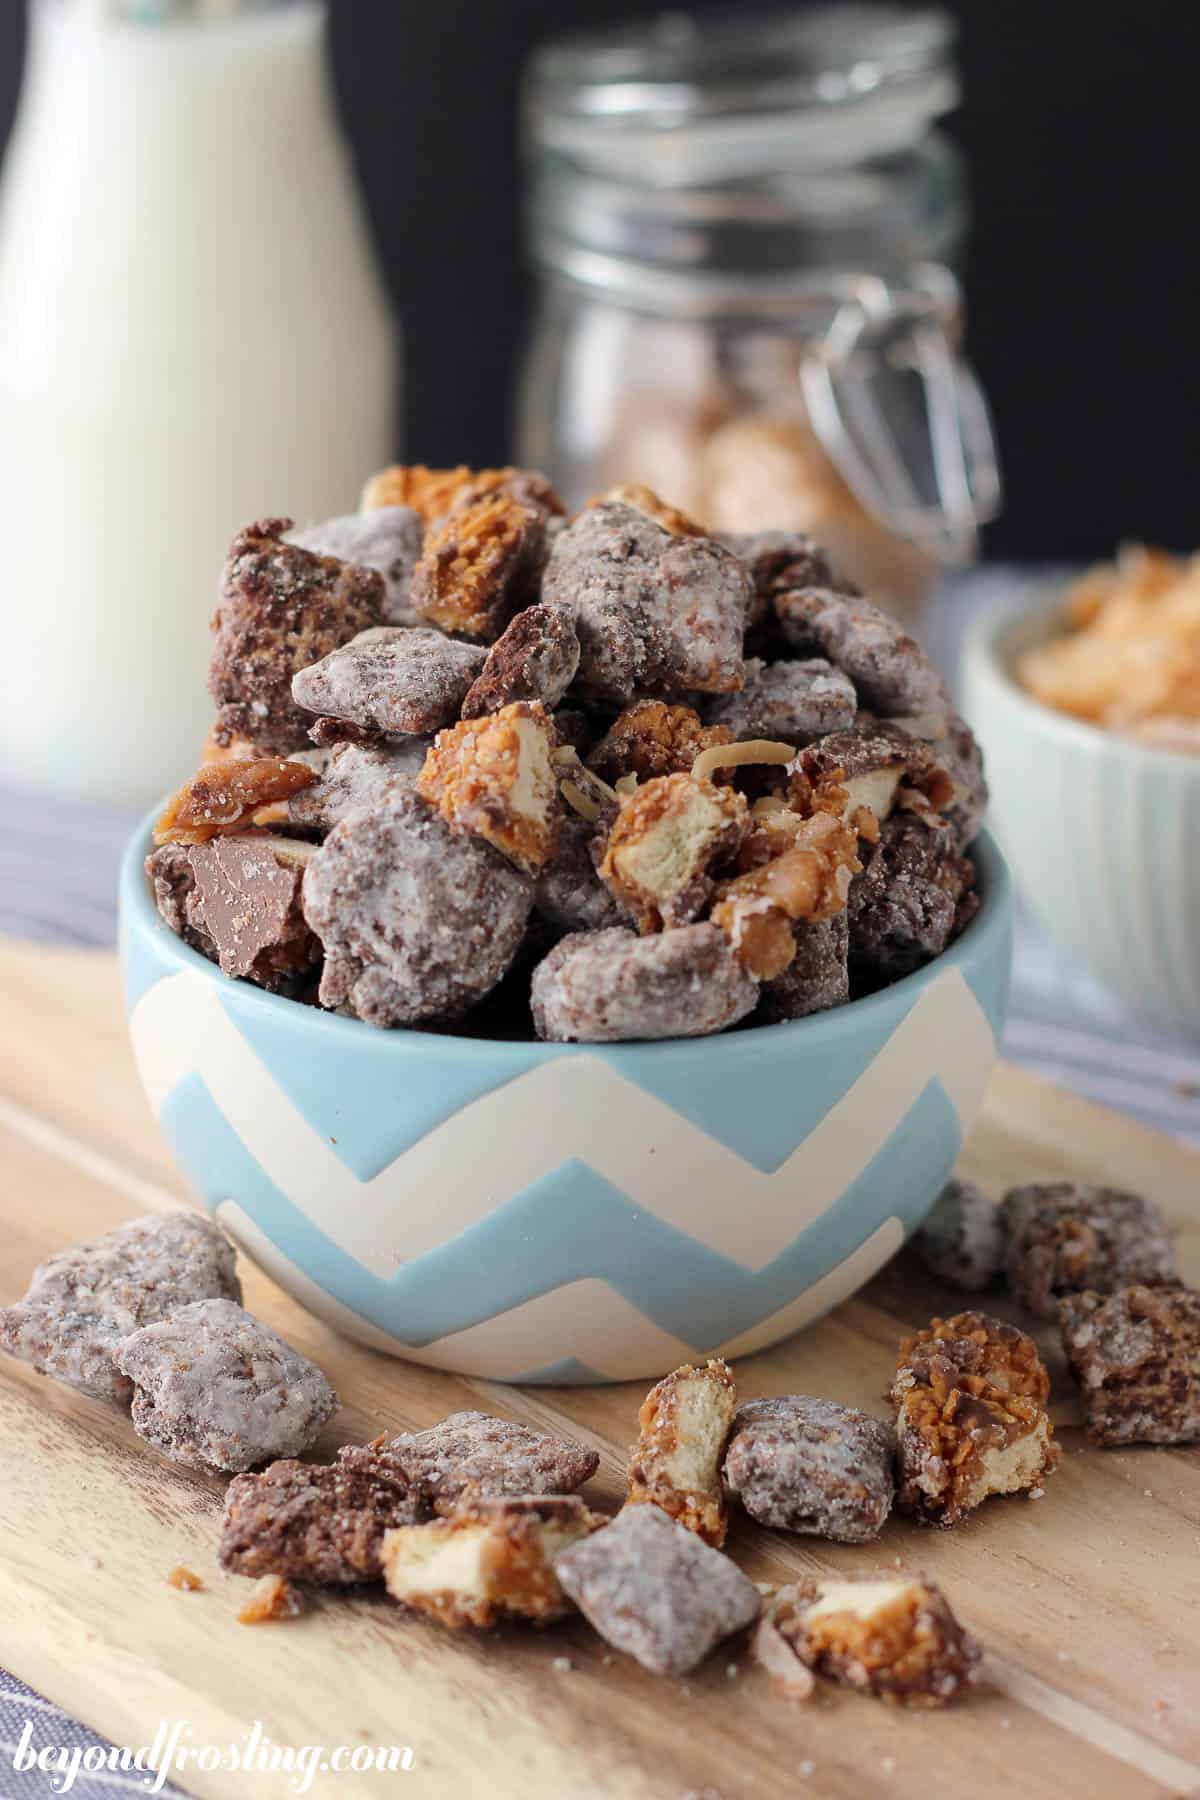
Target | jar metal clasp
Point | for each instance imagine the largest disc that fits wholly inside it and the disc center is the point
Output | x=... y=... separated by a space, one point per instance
x=901 y=414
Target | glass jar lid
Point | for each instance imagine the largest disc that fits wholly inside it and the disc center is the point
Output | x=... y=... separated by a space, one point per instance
x=685 y=101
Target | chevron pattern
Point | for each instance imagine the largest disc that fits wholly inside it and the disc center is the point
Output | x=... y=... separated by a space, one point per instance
x=562 y=1215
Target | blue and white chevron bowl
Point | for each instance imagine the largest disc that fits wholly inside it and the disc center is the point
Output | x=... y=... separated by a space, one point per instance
x=560 y=1213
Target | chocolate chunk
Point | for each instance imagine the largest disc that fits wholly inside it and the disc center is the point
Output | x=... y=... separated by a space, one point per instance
x=237 y=901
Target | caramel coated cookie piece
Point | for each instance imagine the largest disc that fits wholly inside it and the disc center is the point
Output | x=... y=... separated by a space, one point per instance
x=964 y=1240
x=1136 y=1356
x=1065 y=1237
x=429 y=493
x=472 y=1453
x=418 y=920
x=810 y=1465
x=281 y=609
x=652 y=738
x=653 y=608
x=528 y=487
x=793 y=701
x=913 y=897
x=869 y=773
x=216 y=1389
x=387 y=539
x=610 y=986
x=893 y=1636
x=670 y=840
x=490 y=1560
x=355 y=777
x=394 y=680
x=310 y=1522
x=494 y=776
x=535 y=658
x=81 y=1303
x=656 y=1591
x=890 y=671
x=758 y=910
x=237 y=901
x=231 y=796
x=675 y=1465
x=480 y=565
x=818 y=976
x=970 y=1393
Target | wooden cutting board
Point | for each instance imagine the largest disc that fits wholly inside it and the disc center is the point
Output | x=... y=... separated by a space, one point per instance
x=1087 y=1601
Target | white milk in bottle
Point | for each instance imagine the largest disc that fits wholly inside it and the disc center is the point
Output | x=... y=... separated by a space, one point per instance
x=193 y=335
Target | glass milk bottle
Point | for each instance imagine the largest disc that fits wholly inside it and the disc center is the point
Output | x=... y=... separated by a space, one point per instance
x=193 y=334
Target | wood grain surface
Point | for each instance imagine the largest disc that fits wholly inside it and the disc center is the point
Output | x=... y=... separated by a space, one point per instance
x=1087 y=1601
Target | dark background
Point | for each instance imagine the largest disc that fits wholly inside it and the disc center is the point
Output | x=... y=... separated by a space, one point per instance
x=1081 y=124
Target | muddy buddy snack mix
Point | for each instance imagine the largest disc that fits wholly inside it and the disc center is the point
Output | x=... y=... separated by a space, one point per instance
x=1065 y=1237
x=473 y=1453
x=810 y=1465
x=479 y=766
x=215 y=1389
x=1136 y=1356
x=971 y=1420
x=965 y=1238
x=83 y=1303
x=314 y=1523
x=656 y=1591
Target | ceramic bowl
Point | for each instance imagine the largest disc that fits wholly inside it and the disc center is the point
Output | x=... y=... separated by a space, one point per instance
x=1102 y=832
x=565 y=1213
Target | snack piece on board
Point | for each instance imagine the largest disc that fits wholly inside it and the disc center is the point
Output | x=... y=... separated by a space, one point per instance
x=480 y=564
x=964 y=1240
x=418 y=921
x=314 y=1523
x=1067 y=1236
x=652 y=738
x=606 y=986
x=684 y=1425
x=535 y=658
x=972 y=1422
x=232 y=796
x=1136 y=1357
x=657 y=1591
x=670 y=839
x=759 y=909
x=82 y=1302
x=355 y=777
x=890 y=671
x=216 y=1389
x=490 y=1560
x=797 y=701
x=654 y=608
x=281 y=608
x=387 y=539
x=809 y=1465
x=891 y=1635
x=473 y=1453
x=494 y=776
x=914 y=896
x=237 y=901
x=397 y=680
x=818 y=976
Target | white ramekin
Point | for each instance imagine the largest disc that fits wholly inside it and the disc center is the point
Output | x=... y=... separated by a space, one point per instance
x=1103 y=833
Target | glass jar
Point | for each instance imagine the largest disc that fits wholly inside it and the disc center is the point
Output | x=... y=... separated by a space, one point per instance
x=744 y=230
